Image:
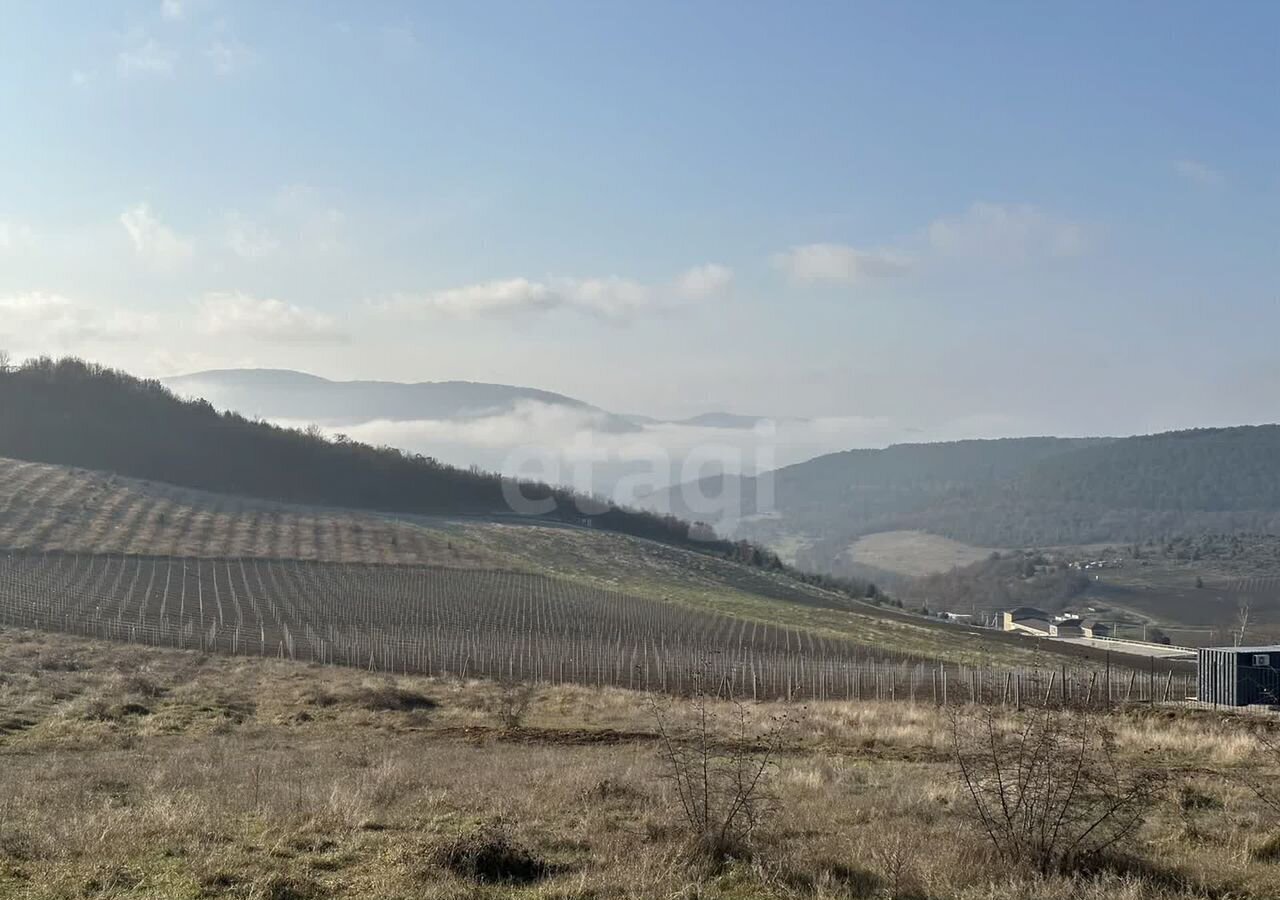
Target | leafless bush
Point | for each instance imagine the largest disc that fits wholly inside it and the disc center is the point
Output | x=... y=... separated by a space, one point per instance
x=1264 y=787
x=722 y=768
x=387 y=696
x=142 y=683
x=896 y=858
x=513 y=705
x=490 y=853
x=1050 y=791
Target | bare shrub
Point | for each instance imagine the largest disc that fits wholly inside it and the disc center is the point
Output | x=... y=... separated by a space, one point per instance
x=896 y=857
x=1050 y=790
x=490 y=853
x=1265 y=789
x=513 y=705
x=391 y=697
x=722 y=768
x=141 y=683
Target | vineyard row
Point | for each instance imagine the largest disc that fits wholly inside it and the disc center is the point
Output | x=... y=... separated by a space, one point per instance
x=496 y=624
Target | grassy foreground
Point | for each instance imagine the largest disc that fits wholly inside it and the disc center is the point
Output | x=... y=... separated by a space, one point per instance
x=134 y=772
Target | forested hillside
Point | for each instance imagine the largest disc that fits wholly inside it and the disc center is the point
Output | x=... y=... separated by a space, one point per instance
x=1017 y=493
x=1208 y=469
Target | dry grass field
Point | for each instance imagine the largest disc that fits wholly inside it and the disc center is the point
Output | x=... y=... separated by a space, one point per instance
x=914 y=552
x=134 y=772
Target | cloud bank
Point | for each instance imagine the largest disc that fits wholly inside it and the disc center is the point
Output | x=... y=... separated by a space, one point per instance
x=610 y=297
x=265 y=319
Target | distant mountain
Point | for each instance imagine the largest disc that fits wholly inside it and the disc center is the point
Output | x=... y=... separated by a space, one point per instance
x=284 y=394
x=468 y=424
x=1015 y=492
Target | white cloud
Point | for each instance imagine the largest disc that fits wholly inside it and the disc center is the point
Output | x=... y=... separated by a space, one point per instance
x=80 y=78
x=839 y=262
x=612 y=297
x=236 y=314
x=990 y=233
x=40 y=318
x=146 y=58
x=229 y=56
x=576 y=445
x=607 y=297
x=34 y=306
x=153 y=241
x=1199 y=172
x=172 y=9
x=512 y=295
x=1006 y=233
x=249 y=240
x=702 y=282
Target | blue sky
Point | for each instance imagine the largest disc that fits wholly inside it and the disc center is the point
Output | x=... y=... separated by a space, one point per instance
x=952 y=218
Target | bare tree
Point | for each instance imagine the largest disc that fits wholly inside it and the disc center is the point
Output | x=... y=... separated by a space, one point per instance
x=1242 y=620
x=1051 y=791
x=5 y=361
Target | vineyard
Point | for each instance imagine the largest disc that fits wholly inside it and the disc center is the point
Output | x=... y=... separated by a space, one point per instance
x=496 y=624
x=54 y=508
x=1261 y=586
x=57 y=508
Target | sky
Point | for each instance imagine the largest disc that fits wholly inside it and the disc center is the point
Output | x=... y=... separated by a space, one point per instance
x=941 y=219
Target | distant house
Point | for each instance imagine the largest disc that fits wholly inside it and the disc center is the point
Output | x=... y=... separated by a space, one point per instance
x=1029 y=620
x=1239 y=676
x=1078 y=626
x=1073 y=628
